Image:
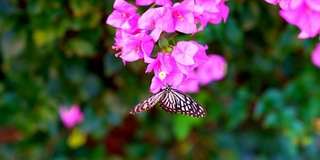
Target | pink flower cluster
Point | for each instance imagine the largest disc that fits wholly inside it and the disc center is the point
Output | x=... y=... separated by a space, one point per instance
x=305 y=14
x=174 y=64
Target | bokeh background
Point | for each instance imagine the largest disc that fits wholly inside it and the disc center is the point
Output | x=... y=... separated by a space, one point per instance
x=58 y=53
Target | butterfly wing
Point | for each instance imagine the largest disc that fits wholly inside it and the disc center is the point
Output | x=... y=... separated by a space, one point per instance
x=148 y=103
x=174 y=101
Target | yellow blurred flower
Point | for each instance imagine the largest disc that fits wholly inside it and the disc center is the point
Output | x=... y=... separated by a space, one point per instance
x=76 y=139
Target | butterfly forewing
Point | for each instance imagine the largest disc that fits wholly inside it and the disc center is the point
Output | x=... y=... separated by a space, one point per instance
x=148 y=103
x=174 y=101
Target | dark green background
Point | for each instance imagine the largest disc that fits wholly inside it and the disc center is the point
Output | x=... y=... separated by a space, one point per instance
x=59 y=53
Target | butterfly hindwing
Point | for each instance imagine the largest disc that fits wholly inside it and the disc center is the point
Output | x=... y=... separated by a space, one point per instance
x=176 y=102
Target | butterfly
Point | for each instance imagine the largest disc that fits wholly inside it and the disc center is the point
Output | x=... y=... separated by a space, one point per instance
x=172 y=101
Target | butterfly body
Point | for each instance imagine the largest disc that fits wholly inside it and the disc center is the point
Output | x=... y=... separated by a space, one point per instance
x=172 y=101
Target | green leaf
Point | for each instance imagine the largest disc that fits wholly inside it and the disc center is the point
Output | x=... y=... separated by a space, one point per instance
x=12 y=43
x=81 y=8
x=271 y=120
x=111 y=64
x=233 y=33
x=80 y=47
x=182 y=125
x=271 y=100
x=163 y=43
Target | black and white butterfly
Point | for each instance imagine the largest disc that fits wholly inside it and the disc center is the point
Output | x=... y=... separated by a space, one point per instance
x=172 y=101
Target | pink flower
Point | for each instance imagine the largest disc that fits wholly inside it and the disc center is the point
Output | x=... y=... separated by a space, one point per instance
x=315 y=56
x=184 y=51
x=286 y=4
x=124 y=16
x=148 y=2
x=201 y=56
x=165 y=72
x=290 y=4
x=188 y=55
x=177 y=68
x=274 y=2
x=306 y=19
x=71 y=116
x=133 y=46
x=173 y=78
x=191 y=84
x=213 y=69
x=216 y=18
x=183 y=19
x=157 y=19
x=213 y=11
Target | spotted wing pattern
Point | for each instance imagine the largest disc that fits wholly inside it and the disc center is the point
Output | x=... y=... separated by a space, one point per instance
x=173 y=101
x=148 y=103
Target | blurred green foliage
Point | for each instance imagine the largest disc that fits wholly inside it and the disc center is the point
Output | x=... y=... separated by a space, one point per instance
x=58 y=52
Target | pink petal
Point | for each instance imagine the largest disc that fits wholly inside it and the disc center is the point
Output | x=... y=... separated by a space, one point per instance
x=313 y=4
x=303 y=35
x=315 y=56
x=71 y=116
x=156 y=85
x=115 y=19
x=144 y=2
x=213 y=69
x=124 y=6
x=274 y=2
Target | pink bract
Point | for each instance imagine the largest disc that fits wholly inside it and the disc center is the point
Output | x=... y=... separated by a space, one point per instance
x=274 y=2
x=71 y=116
x=213 y=69
x=124 y=16
x=167 y=64
x=313 y=4
x=133 y=46
x=306 y=19
x=183 y=18
x=286 y=4
x=184 y=51
x=149 y=2
x=315 y=56
x=191 y=84
x=157 y=19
